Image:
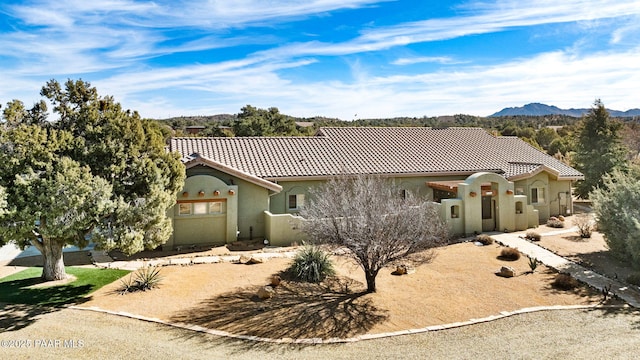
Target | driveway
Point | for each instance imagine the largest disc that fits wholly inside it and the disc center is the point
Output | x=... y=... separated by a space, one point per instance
x=561 y=334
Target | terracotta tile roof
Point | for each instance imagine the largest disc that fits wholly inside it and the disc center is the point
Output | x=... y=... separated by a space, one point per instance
x=378 y=150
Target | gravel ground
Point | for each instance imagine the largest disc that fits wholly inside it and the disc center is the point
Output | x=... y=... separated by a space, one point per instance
x=559 y=334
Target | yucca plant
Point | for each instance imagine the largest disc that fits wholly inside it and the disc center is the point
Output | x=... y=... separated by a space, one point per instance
x=145 y=278
x=533 y=264
x=311 y=264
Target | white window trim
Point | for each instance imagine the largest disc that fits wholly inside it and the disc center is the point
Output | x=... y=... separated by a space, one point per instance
x=539 y=190
x=299 y=202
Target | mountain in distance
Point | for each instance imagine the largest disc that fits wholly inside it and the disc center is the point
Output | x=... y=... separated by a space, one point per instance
x=537 y=109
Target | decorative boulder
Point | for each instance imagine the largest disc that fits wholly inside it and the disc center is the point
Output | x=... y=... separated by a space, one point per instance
x=403 y=270
x=275 y=280
x=249 y=260
x=266 y=292
x=507 y=271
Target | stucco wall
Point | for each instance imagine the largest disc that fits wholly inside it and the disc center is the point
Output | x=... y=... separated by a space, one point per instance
x=283 y=229
x=557 y=195
x=252 y=201
x=416 y=185
x=206 y=228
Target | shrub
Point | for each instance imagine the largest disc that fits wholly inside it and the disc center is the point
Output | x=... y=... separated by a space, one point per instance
x=510 y=254
x=564 y=282
x=585 y=228
x=554 y=222
x=484 y=239
x=311 y=264
x=532 y=236
x=634 y=279
x=145 y=278
x=533 y=264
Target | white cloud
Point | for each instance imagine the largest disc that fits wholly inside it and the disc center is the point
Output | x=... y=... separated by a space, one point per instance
x=425 y=59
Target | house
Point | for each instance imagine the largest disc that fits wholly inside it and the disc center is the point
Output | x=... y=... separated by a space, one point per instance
x=253 y=187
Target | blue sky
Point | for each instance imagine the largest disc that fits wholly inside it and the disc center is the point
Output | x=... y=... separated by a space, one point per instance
x=337 y=58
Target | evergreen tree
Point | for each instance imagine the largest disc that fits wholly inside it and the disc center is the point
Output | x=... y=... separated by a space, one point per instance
x=599 y=149
x=96 y=171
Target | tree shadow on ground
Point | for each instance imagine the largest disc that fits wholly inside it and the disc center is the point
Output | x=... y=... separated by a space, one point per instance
x=583 y=290
x=605 y=263
x=619 y=311
x=21 y=301
x=14 y=317
x=336 y=308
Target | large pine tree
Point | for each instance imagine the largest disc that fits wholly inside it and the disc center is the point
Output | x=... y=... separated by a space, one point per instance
x=97 y=171
x=599 y=149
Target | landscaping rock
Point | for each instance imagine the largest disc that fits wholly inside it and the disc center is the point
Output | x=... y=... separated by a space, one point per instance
x=275 y=280
x=403 y=270
x=507 y=271
x=249 y=260
x=266 y=292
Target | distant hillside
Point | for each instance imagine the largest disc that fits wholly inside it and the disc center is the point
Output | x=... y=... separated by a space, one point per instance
x=537 y=109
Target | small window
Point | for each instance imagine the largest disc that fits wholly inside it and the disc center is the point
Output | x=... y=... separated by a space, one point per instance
x=518 y=207
x=537 y=195
x=455 y=211
x=403 y=194
x=199 y=208
x=184 y=208
x=296 y=201
x=216 y=207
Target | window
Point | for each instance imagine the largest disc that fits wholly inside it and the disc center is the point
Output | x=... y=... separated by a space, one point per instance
x=519 y=191
x=296 y=201
x=199 y=208
x=455 y=211
x=518 y=207
x=537 y=195
x=216 y=207
x=184 y=208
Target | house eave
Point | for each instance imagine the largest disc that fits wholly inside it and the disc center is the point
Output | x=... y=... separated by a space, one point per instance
x=199 y=160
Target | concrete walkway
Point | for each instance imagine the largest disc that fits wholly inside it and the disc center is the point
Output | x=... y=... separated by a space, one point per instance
x=102 y=259
x=515 y=240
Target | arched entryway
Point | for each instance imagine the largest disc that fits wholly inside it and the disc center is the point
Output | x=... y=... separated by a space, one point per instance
x=488 y=203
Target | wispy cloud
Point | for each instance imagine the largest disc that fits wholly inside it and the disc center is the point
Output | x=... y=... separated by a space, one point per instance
x=425 y=59
x=121 y=45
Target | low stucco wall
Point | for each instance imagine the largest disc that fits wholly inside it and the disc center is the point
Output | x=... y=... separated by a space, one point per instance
x=283 y=229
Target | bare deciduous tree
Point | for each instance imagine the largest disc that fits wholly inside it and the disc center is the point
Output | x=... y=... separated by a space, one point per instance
x=375 y=221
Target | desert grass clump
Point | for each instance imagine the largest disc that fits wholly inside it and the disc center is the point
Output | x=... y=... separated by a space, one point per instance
x=484 y=239
x=311 y=264
x=145 y=278
x=532 y=236
x=554 y=222
x=564 y=282
x=510 y=254
x=585 y=228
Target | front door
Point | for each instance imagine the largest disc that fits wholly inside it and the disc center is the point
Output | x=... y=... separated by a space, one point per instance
x=488 y=214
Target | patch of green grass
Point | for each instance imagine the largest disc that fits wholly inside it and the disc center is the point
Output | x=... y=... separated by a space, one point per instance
x=15 y=288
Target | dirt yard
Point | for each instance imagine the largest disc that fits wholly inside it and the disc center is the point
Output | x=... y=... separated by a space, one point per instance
x=460 y=284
